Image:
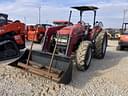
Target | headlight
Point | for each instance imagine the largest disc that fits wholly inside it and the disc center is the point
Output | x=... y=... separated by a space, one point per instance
x=63 y=39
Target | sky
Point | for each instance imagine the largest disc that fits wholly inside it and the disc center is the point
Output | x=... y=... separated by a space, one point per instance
x=110 y=12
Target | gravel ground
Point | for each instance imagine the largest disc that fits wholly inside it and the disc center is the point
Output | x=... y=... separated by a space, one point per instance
x=107 y=77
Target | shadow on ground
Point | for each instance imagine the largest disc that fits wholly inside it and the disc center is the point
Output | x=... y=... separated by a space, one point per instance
x=112 y=58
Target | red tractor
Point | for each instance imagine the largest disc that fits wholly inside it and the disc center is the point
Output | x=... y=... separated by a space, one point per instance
x=63 y=42
x=123 y=40
x=81 y=39
x=36 y=32
x=12 y=37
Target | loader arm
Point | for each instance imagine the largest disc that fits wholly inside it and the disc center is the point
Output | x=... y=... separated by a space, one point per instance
x=48 y=34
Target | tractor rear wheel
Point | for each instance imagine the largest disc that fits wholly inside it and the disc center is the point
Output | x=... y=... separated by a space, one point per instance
x=84 y=55
x=100 y=45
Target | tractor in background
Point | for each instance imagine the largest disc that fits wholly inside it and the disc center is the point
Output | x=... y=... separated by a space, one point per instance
x=123 y=40
x=12 y=37
x=37 y=32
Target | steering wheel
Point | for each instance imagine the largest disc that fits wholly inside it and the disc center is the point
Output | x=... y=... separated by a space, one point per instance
x=82 y=23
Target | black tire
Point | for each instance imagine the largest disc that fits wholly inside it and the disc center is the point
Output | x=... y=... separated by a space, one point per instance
x=119 y=48
x=9 y=51
x=100 y=45
x=122 y=48
x=84 y=55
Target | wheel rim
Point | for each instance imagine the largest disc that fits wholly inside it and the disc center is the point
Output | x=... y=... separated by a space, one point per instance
x=104 y=45
x=89 y=57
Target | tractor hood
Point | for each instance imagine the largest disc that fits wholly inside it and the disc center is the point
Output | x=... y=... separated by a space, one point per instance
x=124 y=38
x=71 y=30
x=65 y=30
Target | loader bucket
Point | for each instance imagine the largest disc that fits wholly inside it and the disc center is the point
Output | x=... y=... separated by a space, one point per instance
x=8 y=50
x=60 y=72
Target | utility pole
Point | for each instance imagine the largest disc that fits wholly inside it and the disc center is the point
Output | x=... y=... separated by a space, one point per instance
x=125 y=10
x=124 y=15
x=30 y=4
x=24 y=19
x=39 y=14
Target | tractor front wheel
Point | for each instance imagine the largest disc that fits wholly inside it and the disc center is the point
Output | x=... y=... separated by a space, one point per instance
x=84 y=55
x=100 y=45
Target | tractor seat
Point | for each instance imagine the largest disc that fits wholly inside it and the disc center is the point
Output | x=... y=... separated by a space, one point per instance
x=82 y=23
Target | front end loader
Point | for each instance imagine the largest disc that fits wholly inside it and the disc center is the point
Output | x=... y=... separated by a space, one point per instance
x=39 y=29
x=49 y=65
